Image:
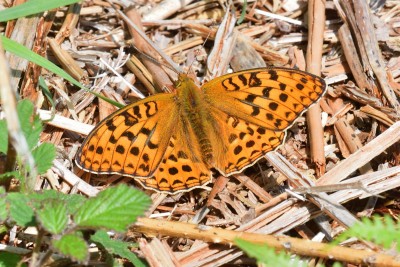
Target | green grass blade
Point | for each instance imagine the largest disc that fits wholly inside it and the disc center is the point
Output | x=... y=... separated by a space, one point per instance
x=23 y=52
x=32 y=7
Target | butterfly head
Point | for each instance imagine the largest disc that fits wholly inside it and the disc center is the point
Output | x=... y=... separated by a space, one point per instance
x=183 y=80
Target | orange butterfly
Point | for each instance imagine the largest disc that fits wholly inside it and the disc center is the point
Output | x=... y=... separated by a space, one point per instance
x=169 y=142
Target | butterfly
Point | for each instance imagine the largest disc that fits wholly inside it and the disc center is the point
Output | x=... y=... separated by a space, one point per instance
x=169 y=142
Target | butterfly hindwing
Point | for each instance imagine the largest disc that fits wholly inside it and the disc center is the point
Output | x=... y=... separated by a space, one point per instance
x=178 y=171
x=240 y=143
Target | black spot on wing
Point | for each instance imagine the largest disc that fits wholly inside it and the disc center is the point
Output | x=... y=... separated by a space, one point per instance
x=283 y=97
x=273 y=75
x=99 y=150
x=173 y=171
x=120 y=149
x=243 y=79
x=110 y=125
x=237 y=150
x=299 y=86
x=134 y=151
x=254 y=80
x=112 y=139
x=136 y=111
x=273 y=106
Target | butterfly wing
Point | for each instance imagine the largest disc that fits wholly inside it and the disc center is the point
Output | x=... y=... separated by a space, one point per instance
x=256 y=107
x=272 y=98
x=131 y=141
x=244 y=143
x=150 y=141
x=178 y=171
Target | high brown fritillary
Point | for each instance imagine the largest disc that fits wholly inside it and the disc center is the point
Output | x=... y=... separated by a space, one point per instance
x=169 y=142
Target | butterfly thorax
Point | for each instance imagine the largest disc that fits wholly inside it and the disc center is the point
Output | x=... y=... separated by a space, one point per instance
x=193 y=108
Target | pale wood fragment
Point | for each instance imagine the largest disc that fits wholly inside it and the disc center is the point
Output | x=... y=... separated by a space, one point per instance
x=73 y=180
x=164 y=9
x=362 y=156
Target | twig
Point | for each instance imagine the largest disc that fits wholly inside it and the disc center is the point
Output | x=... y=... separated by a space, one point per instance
x=298 y=246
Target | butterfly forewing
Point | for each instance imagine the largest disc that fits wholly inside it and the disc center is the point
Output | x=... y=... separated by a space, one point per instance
x=131 y=141
x=272 y=98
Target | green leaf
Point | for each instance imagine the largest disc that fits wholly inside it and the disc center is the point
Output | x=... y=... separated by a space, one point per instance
x=8 y=259
x=380 y=230
x=53 y=216
x=3 y=137
x=72 y=246
x=15 y=174
x=114 y=208
x=49 y=96
x=267 y=255
x=20 y=209
x=116 y=247
x=30 y=127
x=32 y=7
x=44 y=156
x=3 y=207
x=72 y=201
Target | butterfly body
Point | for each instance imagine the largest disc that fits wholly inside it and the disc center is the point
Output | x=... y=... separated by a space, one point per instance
x=169 y=142
x=194 y=107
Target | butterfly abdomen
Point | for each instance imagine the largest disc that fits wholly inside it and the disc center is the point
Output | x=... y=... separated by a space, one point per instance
x=204 y=142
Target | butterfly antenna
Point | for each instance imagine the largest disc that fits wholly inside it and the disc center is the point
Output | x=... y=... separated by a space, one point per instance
x=152 y=59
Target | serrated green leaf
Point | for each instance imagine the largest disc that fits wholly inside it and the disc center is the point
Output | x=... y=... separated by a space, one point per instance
x=53 y=216
x=10 y=259
x=3 y=137
x=44 y=156
x=114 y=208
x=20 y=209
x=116 y=247
x=3 y=207
x=45 y=195
x=30 y=124
x=72 y=246
x=380 y=230
x=267 y=255
x=72 y=201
